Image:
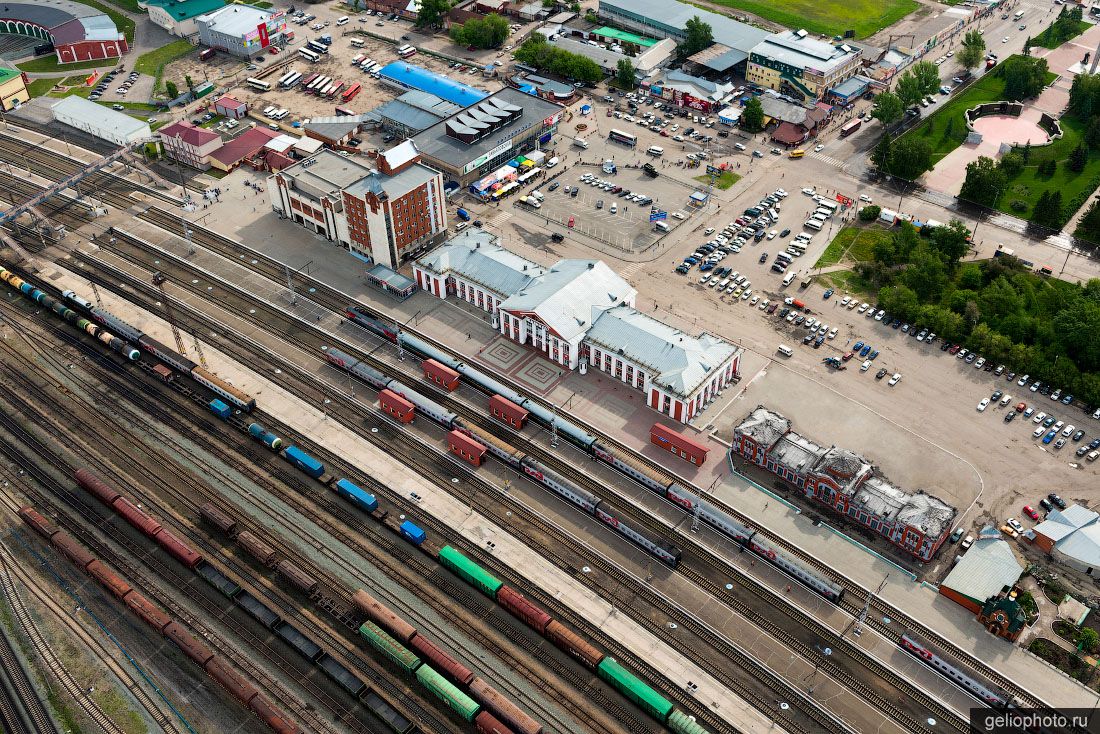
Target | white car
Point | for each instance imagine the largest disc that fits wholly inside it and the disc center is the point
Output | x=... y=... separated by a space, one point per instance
x=879 y=315
x=772 y=234
x=864 y=307
x=865 y=198
x=819 y=147
x=809 y=192
x=708 y=231
x=865 y=366
x=983 y=405
x=832 y=333
x=1014 y=524
x=852 y=304
x=895 y=379
x=845 y=301
x=1038 y=432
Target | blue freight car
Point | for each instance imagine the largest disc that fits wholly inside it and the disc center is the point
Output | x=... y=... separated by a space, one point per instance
x=412 y=533
x=220 y=409
x=304 y=461
x=353 y=494
x=270 y=440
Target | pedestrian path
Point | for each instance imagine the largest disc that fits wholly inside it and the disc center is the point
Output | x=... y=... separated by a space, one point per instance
x=827 y=159
x=499 y=218
x=632 y=269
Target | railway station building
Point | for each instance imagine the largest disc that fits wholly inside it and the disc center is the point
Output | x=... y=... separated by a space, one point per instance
x=915 y=522
x=386 y=213
x=581 y=315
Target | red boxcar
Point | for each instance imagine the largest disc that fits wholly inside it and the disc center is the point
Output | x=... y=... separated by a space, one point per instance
x=179 y=550
x=273 y=717
x=217 y=518
x=397 y=406
x=131 y=514
x=441 y=661
x=148 y=612
x=486 y=723
x=569 y=641
x=72 y=550
x=297 y=576
x=678 y=444
x=466 y=447
x=108 y=579
x=256 y=548
x=517 y=604
x=237 y=686
x=34 y=518
x=503 y=708
x=96 y=486
x=191 y=647
x=384 y=617
x=508 y=412
x=440 y=374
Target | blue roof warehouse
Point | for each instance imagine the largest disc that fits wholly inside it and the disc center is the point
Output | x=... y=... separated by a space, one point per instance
x=405 y=76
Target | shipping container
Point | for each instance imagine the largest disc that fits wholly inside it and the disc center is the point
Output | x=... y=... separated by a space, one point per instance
x=383 y=616
x=220 y=409
x=440 y=374
x=176 y=548
x=270 y=440
x=96 y=486
x=412 y=533
x=503 y=708
x=191 y=647
x=108 y=579
x=573 y=644
x=357 y=496
x=304 y=461
x=303 y=645
x=486 y=723
x=75 y=552
x=520 y=606
x=466 y=448
x=237 y=686
x=391 y=648
x=397 y=406
x=147 y=612
x=299 y=578
x=455 y=699
x=630 y=686
x=131 y=514
x=469 y=571
x=681 y=723
x=217 y=518
x=256 y=548
x=440 y=660
x=508 y=412
x=164 y=373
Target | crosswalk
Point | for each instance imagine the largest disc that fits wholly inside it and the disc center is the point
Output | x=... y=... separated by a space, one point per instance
x=630 y=270
x=499 y=218
x=827 y=159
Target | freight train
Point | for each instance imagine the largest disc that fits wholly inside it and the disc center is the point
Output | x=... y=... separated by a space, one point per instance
x=665 y=551
x=651 y=478
x=69 y=315
x=146 y=343
x=155 y=617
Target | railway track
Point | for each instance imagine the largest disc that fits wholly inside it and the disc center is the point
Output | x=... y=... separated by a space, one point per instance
x=668 y=609
x=700 y=565
x=855 y=595
x=21 y=710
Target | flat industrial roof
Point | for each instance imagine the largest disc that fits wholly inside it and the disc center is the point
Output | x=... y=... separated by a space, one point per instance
x=235 y=20
x=669 y=18
x=803 y=52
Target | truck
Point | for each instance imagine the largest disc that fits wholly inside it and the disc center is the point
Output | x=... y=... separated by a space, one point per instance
x=650 y=171
x=580 y=143
x=835 y=363
x=795 y=304
x=463 y=215
x=805 y=282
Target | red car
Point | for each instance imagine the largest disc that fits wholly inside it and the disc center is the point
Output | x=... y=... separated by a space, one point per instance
x=847 y=356
x=1021 y=407
x=954 y=349
x=1030 y=512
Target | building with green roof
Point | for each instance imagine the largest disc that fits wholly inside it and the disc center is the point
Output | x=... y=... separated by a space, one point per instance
x=178 y=16
x=13 y=89
x=621 y=37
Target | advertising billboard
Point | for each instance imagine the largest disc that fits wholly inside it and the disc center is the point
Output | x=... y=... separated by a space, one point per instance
x=264 y=33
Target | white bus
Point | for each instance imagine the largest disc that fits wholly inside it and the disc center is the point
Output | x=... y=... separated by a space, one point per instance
x=621 y=137
x=293 y=80
x=830 y=205
x=357 y=43
x=309 y=56
x=258 y=84
x=1019 y=14
x=406 y=51
x=656 y=151
x=358 y=59
x=373 y=68
x=285 y=78
x=320 y=84
x=812 y=224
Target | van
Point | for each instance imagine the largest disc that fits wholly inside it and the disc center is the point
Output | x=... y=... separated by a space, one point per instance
x=797 y=153
x=342 y=20
x=789 y=278
x=812 y=224
x=580 y=143
x=461 y=226
x=552 y=162
x=656 y=151
x=661 y=226
x=357 y=43
x=827 y=204
x=785 y=350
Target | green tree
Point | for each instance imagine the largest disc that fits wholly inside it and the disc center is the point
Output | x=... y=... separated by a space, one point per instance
x=1024 y=77
x=869 y=213
x=984 y=184
x=927 y=75
x=432 y=13
x=1089 y=639
x=1078 y=158
x=899 y=299
x=888 y=108
x=1012 y=164
x=487 y=32
x=909 y=89
x=190 y=84
x=1027 y=46
x=880 y=156
x=973 y=48
x=172 y=90
x=926 y=274
x=624 y=74
x=1025 y=152
x=575 y=6
x=698 y=35
x=1089 y=226
x=951 y=240
x=910 y=157
x=752 y=116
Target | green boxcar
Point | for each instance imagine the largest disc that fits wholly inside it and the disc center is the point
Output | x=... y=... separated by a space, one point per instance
x=681 y=723
x=470 y=571
x=389 y=647
x=458 y=701
x=634 y=689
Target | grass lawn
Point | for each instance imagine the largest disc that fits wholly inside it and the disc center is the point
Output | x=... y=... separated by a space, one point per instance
x=1047 y=40
x=852 y=244
x=828 y=17
x=73 y=81
x=848 y=281
x=723 y=182
x=48 y=64
x=77 y=92
x=153 y=62
x=129 y=6
x=946 y=129
x=38 y=87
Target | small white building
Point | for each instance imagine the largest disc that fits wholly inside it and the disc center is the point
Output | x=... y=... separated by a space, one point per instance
x=100 y=121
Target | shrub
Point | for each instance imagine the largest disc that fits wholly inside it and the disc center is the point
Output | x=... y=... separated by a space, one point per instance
x=869 y=213
x=1018 y=205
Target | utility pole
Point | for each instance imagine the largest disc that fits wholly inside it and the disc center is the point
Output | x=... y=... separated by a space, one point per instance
x=554 y=426
x=98 y=299
x=198 y=351
x=158 y=280
x=857 y=623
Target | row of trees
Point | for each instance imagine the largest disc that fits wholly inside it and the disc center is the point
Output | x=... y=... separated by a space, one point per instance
x=488 y=32
x=1045 y=327
x=1066 y=26
x=536 y=52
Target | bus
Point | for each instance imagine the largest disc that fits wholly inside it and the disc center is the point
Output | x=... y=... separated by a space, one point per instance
x=207 y=54
x=309 y=80
x=320 y=84
x=323 y=91
x=1019 y=14
x=258 y=84
x=316 y=47
x=357 y=43
x=358 y=59
x=350 y=92
x=344 y=112
x=505 y=191
x=406 y=51
x=297 y=77
x=283 y=79
x=365 y=63
x=309 y=56
x=851 y=126
x=625 y=138
x=335 y=89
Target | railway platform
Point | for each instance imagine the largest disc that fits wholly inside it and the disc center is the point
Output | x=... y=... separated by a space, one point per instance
x=313 y=421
